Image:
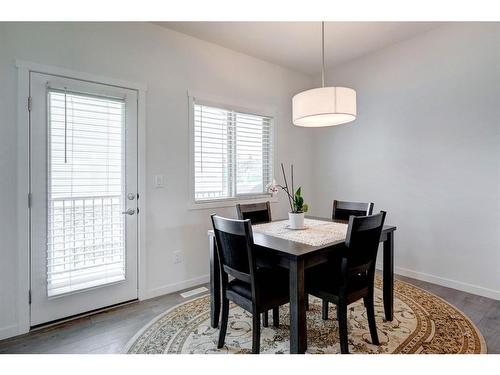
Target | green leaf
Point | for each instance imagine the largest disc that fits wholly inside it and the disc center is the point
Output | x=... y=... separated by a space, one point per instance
x=305 y=208
x=299 y=191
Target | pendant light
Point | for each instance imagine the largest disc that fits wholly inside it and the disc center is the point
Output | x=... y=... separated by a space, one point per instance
x=324 y=106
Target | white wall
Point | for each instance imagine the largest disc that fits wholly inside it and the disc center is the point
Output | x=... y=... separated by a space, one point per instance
x=169 y=63
x=426 y=148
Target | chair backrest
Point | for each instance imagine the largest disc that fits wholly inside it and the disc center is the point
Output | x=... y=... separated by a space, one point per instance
x=343 y=210
x=362 y=241
x=234 y=241
x=258 y=212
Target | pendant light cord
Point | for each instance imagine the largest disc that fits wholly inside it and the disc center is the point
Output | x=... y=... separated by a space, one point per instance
x=323 y=54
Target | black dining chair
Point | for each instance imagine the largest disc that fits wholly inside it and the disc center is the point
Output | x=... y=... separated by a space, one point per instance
x=255 y=289
x=342 y=210
x=257 y=212
x=350 y=276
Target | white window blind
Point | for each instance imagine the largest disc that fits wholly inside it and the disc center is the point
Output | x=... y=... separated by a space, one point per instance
x=232 y=153
x=85 y=191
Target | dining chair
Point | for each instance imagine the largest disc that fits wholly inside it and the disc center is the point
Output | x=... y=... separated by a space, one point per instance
x=350 y=276
x=342 y=210
x=255 y=289
x=257 y=212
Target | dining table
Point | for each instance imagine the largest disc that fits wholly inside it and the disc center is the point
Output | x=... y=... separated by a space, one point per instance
x=298 y=250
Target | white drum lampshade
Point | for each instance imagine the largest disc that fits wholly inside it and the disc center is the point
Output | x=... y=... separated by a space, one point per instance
x=324 y=106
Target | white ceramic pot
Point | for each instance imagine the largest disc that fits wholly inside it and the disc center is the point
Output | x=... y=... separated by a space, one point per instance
x=296 y=220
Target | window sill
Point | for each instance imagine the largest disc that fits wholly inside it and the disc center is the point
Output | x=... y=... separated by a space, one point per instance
x=232 y=202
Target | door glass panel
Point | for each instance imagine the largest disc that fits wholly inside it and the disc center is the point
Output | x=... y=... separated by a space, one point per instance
x=86 y=232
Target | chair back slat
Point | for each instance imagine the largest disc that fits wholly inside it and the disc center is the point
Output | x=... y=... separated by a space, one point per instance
x=234 y=246
x=343 y=210
x=257 y=212
x=243 y=276
x=362 y=241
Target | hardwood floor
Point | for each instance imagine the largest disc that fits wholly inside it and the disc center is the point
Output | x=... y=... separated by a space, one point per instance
x=109 y=331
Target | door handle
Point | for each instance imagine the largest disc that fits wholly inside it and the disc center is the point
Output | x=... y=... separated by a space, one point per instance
x=130 y=211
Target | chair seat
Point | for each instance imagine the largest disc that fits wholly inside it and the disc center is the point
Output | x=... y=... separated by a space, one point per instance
x=324 y=280
x=272 y=284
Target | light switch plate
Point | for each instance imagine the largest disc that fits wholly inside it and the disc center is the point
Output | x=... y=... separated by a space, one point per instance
x=159 y=180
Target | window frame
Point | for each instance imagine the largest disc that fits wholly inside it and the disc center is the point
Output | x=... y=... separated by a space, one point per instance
x=229 y=105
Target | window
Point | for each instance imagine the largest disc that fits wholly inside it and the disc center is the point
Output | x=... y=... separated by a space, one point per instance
x=232 y=153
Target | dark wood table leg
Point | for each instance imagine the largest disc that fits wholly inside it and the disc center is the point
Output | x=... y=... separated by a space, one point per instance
x=298 y=324
x=388 y=276
x=215 y=291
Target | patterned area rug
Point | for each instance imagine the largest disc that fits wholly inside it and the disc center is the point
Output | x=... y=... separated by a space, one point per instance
x=423 y=323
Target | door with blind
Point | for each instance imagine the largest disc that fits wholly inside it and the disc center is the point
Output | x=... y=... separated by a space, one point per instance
x=83 y=150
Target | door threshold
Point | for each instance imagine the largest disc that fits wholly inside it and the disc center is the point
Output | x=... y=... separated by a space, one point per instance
x=57 y=322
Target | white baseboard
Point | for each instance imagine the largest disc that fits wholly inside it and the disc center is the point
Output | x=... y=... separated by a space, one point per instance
x=9 y=331
x=171 y=288
x=449 y=283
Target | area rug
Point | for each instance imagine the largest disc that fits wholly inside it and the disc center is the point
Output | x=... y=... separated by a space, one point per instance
x=423 y=323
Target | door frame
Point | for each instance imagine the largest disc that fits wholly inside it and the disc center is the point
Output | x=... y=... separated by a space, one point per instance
x=24 y=68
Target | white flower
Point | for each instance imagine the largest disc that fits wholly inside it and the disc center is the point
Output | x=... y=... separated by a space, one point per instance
x=272 y=188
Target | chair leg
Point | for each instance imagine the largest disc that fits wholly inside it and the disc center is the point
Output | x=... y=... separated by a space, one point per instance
x=223 y=324
x=370 y=312
x=256 y=334
x=324 y=309
x=276 y=317
x=265 y=319
x=342 y=318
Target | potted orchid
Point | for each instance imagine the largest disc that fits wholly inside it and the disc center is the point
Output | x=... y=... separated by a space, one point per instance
x=297 y=206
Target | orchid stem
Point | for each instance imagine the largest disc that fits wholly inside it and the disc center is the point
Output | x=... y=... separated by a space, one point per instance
x=286 y=187
x=285 y=190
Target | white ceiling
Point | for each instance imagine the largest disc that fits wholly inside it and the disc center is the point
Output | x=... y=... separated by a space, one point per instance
x=297 y=45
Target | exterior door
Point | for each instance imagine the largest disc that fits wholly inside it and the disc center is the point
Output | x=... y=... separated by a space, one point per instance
x=83 y=163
